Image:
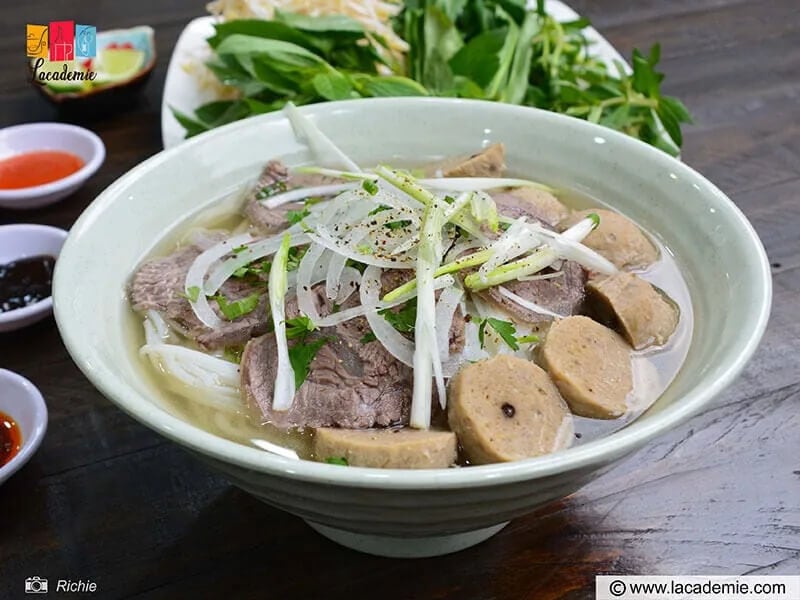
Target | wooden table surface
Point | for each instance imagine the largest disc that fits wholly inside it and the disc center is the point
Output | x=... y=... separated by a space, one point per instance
x=108 y=500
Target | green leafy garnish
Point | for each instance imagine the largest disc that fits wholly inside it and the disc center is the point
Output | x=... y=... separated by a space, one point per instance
x=402 y=320
x=299 y=327
x=365 y=249
x=192 y=293
x=528 y=339
x=233 y=353
x=271 y=190
x=234 y=309
x=505 y=329
x=301 y=355
x=368 y=337
x=337 y=460
x=239 y=249
x=296 y=254
x=295 y=216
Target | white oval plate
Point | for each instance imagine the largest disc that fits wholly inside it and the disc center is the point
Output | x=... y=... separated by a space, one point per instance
x=183 y=91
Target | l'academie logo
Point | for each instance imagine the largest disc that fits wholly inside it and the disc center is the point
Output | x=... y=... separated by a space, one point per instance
x=61 y=42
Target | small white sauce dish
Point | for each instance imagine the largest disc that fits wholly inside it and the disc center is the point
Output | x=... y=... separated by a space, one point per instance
x=23 y=402
x=24 y=241
x=33 y=137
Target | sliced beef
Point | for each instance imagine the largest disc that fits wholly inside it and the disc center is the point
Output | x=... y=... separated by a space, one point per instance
x=350 y=384
x=490 y=162
x=562 y=295
x=528 y=201
x=506 y=408
x=616 y=238
x=590 y=365
x=275 y=178
x=387 y=448
x=641 y=312
x=159 y=284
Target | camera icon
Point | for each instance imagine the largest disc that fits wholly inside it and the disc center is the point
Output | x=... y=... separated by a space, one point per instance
x=35 y=585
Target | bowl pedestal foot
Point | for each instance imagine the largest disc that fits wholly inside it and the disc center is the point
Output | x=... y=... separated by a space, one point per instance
x=404 y=547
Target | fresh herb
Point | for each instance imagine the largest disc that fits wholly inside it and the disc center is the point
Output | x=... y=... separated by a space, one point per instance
x=299 y=327
x=402 y=320
x=370 y=187
x=337 y=460
x=239 y=249
x=255 y=268
x=302 y=354
x=528 y=339
x=358 y=266
x=295 y=216
x=378 y=209
x=234 y=309
x=505 y=329
x=368 y=337
x=398 y=224
x=365 y=249
x=296 y=254
x=271 y=190
x=192 y=293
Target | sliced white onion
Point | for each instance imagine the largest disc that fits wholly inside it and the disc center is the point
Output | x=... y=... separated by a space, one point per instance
x=305 y=274
x=475 y=184
x=394 y=342
x=324 y=237
x=307 y=192
x=567 y=245
x=333 y=283
x=327 y=152
x=224 y=270
x=445 y=311
x=524 y=303
x=351 y=279
x=515 y=241
x=195 y=277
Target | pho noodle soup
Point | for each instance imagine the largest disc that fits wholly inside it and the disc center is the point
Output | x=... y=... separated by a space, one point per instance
x=440 y=315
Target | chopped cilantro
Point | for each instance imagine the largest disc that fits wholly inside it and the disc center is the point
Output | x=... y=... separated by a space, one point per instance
x=239 y=249
x=295 y=256
x=299 y=327
x=528 y=339
x=368 y=337
x=295 y=216
x=358 y=266
x=504 y=329
x=370 y=187
x=378 y=209
x=237 y=308
x=365 y=249
x=404 y=319
x=271 y=189
x=337 y=460
x=301 y=355
x=192 y=293
x=398 y=224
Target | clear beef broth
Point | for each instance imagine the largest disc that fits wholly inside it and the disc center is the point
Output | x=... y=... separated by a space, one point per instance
x=654 y=368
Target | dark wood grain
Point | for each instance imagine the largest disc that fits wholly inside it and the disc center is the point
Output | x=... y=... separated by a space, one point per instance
x=107 y=499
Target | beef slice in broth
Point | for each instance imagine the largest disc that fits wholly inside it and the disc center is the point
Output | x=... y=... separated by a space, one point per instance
x=275 y=178
x=350 y=383
x=531 y=202
x=643 y=314
x=616 y=238
x=489 y=162
x=387 y=448
x=591 y=366
x=562 y=295
x=507 y=408
x=159 y=285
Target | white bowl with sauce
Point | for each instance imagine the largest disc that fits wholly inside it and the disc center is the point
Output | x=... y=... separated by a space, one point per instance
x=23 y=241
x=76 y=151
x=23 y=419
x=426 y=512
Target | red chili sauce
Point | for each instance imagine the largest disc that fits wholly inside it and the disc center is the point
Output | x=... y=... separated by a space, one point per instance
x=10 y=438
x=37 y=168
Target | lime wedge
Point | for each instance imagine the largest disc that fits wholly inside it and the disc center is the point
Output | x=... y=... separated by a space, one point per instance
x=59 y=86
x=117 y=64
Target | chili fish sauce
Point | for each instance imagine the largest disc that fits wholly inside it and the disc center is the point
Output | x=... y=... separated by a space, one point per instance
x=37 y=168
x=10 y=438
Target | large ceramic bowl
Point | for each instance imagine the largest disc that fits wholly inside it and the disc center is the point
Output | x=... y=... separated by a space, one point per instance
x=417 y=513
